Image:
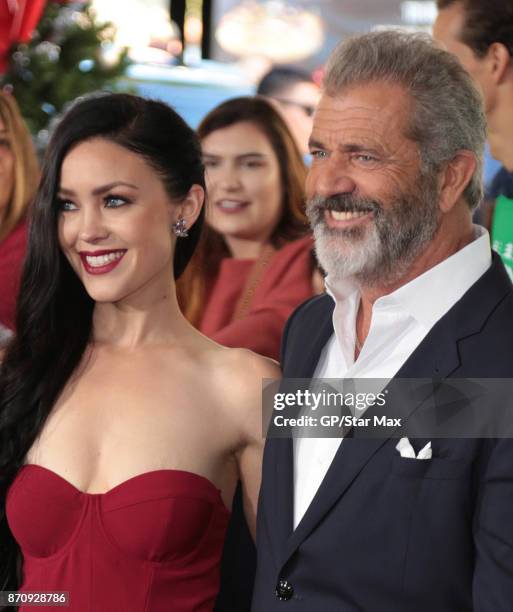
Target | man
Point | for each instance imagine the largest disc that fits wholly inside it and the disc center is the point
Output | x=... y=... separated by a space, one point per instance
x=414 y=292
x=296 y=96
x=480 y=34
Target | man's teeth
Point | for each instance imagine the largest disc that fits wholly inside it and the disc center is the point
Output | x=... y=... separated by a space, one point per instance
x=95 y=261
x=346 y=216
x=230 y=204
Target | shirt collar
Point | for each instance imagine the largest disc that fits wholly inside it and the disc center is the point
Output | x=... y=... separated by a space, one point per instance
x=429 y=296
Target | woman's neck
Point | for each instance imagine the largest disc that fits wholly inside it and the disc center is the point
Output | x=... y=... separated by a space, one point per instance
x=241 y=248
x=139 y=321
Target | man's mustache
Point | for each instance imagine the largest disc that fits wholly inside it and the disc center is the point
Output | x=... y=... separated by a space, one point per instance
x=343 y=202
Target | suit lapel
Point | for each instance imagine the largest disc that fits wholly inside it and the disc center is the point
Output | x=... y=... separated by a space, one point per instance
x=354 y=453
x=299 y=364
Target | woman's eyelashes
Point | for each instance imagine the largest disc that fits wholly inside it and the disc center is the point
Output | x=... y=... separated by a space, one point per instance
x=65 y=205
x=254 y=163
x=109 y=201
x=115 y=201
x=244 y=162
x=210 y=162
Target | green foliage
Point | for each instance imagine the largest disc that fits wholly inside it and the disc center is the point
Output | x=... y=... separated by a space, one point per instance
x=63 y=60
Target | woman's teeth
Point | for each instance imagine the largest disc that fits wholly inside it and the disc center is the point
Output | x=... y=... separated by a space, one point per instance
x=96 y=261
x=231 y=204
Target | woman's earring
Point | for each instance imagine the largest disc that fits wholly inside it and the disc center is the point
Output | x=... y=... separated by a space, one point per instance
x=180 y=228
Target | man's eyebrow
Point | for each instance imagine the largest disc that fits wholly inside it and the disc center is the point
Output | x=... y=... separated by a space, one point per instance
x=352 y=147
x=99 y=190
x=315 y=144
x=348 y=147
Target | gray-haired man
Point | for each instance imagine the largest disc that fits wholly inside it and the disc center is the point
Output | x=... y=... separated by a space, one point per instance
x=413 y=292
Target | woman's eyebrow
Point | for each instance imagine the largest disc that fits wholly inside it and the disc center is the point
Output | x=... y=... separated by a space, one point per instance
x=101 y=189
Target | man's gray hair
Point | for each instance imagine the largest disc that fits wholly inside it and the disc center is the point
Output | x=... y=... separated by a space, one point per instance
x=448 y=113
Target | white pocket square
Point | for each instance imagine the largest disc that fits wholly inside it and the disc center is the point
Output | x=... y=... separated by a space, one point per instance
x=406 y=450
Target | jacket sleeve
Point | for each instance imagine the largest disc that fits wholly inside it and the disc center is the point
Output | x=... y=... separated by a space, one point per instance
x=493 y=530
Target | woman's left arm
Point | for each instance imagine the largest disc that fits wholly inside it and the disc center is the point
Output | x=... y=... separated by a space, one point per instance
x=249 y=457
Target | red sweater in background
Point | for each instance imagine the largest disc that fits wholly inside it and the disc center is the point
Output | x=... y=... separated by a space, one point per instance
x=12 y=253
x=286 y=283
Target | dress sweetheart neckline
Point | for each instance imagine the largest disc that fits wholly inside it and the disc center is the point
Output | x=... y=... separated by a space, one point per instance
x=194 y=475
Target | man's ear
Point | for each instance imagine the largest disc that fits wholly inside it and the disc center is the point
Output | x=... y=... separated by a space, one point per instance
x=190 y=207
x=456 y=175
x=498 y=59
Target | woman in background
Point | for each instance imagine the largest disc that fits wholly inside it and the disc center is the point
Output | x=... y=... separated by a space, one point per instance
x=19 y=174
x=254 y=264
x=123 y=430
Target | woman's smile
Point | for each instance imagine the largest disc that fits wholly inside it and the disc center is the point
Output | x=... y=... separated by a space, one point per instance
x=101 y=262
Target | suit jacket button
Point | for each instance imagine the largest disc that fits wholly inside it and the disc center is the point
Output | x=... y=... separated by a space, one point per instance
x=284 y=590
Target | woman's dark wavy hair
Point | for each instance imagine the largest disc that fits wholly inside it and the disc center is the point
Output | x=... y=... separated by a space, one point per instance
x=54 y=312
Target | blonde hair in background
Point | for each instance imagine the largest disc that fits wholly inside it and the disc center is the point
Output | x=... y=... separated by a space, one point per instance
x=26 y=166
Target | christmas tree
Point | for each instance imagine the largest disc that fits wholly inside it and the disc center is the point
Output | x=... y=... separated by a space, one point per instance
x=64 y=59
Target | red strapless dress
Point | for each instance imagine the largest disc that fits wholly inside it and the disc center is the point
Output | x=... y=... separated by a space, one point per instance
x=151 y=544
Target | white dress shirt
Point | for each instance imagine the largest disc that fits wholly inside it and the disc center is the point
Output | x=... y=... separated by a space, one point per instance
x=400 y=321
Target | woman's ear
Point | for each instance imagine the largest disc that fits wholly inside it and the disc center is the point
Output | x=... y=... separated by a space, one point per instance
x=190 y=207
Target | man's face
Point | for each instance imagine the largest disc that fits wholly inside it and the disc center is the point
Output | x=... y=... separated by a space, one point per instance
x=370 y=207
x=447 y=30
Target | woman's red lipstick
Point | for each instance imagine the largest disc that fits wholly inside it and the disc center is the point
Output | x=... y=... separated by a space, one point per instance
x=101 y=268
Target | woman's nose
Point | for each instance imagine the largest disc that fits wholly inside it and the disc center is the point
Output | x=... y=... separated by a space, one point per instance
x=229 y=179
x=92 y=225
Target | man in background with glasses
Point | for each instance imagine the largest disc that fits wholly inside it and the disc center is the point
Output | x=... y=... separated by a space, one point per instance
x=296 y=95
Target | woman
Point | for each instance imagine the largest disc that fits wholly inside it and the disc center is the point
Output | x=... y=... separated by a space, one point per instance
x=254 y=265
x=116 y=472
x=19 y=174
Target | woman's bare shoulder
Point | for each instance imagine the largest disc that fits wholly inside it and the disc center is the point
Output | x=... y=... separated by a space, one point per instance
x=241 y=367
x=237 y=377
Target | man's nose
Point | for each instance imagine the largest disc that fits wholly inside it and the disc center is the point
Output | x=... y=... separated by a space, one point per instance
x=92 y=224
x=329 y=178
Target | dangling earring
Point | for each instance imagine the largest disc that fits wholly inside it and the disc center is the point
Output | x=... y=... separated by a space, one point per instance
x=180 y=228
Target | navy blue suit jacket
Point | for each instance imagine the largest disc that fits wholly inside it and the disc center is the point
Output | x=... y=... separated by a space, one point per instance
x=385 y=534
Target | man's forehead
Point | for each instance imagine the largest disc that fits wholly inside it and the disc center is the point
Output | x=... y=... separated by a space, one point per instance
x=368 y=108
x=373 y=95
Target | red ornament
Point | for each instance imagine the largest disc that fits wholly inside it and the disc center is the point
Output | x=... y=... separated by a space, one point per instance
x=18 y=19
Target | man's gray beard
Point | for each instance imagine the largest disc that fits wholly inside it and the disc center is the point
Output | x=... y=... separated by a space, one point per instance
x=379 y=252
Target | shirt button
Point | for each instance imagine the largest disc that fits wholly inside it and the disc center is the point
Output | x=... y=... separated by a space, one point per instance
x=284 y=590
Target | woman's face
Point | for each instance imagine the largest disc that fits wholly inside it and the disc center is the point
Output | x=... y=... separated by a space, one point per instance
x=243 y=183
x=6 y=168
x=115 y=222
